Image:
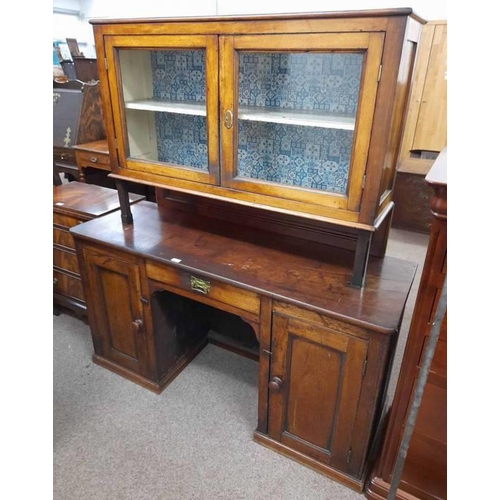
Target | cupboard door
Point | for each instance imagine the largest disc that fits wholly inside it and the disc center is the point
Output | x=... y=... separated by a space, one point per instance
x=115 y=311
x=297 y=114
x=315 y=385
x=164 y=94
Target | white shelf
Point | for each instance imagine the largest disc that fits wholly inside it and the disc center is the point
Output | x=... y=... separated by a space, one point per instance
x=320 y=119
x=180 y=107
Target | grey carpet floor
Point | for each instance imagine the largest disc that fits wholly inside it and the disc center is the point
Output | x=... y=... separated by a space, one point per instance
x=114 y=440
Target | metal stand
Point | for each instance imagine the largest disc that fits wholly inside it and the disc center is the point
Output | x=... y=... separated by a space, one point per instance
x=419 y=392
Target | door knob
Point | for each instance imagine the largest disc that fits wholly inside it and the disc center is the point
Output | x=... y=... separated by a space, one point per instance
x=275 y=384
x=137 y=325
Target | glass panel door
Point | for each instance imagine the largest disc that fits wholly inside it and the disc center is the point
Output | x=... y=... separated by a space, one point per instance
x=165 y=108
x=296 y=117
x=297 y=101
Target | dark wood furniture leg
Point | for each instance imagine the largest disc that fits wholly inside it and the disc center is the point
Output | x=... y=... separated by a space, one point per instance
x=81 y=176
x=123 y=196
x=361 y=258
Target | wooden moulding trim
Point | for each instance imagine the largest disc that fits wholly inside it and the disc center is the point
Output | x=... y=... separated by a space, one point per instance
x=128 y=374
x=77 y=305
x=71 y=212
x=354 y=484
x=415 y=166
x=378 y=489
x=156 y=387
x=208 y=192
x=383 y=214
x=405 y=11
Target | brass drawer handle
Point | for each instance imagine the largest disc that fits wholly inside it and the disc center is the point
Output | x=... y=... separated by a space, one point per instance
x=199 y=285
x=228 y=119
x=93 y=159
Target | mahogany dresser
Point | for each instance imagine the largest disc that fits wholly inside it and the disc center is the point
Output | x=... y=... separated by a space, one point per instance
x=424 y=473
x=74 y=203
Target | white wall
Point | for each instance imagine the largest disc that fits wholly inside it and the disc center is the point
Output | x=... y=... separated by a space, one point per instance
x=73 y=5
x=147 y=8
x=428 y=9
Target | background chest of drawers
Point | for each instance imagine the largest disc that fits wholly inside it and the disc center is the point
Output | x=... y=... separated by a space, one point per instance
x=93 y=155
x=73 y=204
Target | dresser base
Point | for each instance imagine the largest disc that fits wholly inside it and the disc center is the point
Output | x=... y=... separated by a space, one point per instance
x=354 y=484
x=156 y=387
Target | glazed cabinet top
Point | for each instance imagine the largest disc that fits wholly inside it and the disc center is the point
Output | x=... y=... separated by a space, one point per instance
x=298 y=114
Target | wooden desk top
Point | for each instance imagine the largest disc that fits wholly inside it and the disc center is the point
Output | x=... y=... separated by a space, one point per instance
x=94 y=146
x=87 y=199
x=438 y=174
x=293 y=270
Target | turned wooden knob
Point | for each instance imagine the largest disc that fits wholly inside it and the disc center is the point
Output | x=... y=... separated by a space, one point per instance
x=137 y=325
x=275 y=384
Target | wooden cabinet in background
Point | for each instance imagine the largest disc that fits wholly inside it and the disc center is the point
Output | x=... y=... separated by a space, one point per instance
x=425 y=130
x=73 y=204
x=93 y=154
x=77 y=119
x=424 y=474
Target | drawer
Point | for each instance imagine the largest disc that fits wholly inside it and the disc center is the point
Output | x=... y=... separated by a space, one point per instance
x=68 y=285
x=90 y=159
x=63 y=238
x=198 y=286
x=65 y=260
x=65 y=221
x=64 y=155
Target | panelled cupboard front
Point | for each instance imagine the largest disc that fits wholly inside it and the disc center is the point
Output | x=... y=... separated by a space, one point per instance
x=322 y=369
x=294 y=114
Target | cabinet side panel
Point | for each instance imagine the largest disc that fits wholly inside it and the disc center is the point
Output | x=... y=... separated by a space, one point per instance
x=382 y=140
x=400 y=108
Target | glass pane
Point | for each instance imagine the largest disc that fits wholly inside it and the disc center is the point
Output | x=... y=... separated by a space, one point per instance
x=296 y=117
x=165 y=106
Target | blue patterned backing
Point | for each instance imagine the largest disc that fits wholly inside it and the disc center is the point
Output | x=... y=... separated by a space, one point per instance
x=178 y=75
x=182 y=140
x=321 y=81
x=310 y=157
